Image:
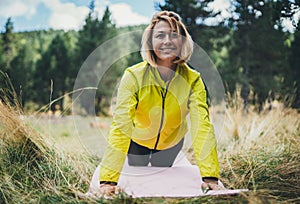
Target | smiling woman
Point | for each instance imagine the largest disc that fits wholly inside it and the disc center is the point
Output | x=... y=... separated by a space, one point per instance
x=153 y=101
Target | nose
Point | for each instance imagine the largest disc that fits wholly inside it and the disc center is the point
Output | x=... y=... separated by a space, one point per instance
x=167 y=39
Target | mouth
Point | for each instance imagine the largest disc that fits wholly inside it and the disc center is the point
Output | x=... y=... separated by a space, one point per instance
x=168 y=49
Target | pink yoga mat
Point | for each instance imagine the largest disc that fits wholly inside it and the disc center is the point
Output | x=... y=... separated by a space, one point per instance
x=181 y=180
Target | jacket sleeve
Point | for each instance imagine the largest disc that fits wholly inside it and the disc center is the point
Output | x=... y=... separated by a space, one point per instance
x=120 y=130
x=202 y=132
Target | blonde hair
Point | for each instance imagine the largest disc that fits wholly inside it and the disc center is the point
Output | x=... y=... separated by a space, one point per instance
x=174 y=20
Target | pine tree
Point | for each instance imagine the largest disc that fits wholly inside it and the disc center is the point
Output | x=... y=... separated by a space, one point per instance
x=7 y=47
x=292 y=76
x=93 y=34
x=256 y=54
x=22 y=70
x=52 y=70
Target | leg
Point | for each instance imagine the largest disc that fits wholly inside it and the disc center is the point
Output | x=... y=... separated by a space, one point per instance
x=165 y=158
x=138 y=155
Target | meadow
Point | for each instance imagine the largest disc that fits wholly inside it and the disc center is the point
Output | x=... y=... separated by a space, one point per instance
x=51 y=159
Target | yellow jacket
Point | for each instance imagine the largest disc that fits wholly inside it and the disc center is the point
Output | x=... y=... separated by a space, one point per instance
x=153 y=113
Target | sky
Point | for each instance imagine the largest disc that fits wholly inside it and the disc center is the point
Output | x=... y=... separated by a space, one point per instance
x=70 y=14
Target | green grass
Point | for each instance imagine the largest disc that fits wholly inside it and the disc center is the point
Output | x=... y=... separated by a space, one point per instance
x=46 y=160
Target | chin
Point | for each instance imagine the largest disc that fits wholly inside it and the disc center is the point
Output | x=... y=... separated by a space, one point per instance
x=167 y=57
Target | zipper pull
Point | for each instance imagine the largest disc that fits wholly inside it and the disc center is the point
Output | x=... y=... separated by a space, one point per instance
x=163 y=92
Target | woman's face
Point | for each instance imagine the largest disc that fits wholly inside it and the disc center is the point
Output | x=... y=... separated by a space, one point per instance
x=166 y=43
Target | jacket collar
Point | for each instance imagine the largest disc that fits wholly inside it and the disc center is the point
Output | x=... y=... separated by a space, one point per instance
x=156 y=76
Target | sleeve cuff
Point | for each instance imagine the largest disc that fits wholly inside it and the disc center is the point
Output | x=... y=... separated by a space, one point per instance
x=211 y=178
x=109 y=182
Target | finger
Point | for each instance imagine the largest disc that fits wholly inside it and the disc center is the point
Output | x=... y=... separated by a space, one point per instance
x=108 y=191
x=103 y=191
x=205 y=187
x=212 y=186
x=117 y=190
x=215 y=186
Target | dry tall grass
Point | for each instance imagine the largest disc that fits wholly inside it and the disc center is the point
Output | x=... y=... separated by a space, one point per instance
x=261 y=151
x=257 y=151
x=32 y=170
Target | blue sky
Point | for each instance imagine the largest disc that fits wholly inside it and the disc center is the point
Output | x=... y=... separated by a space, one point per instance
x=70 y=14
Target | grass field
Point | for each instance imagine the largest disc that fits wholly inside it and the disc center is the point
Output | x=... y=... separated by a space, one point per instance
x=51 y=160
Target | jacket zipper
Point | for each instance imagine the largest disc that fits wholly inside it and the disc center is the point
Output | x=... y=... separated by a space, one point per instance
x=163 y=94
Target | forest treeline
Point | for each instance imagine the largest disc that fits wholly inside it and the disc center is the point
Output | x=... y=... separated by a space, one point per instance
x=256 y=56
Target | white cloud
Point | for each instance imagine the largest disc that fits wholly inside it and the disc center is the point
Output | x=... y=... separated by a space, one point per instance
x=65 y=15
x=123 y=15
x=16 y=8
x=101 y=3
x=161 y=1
x=68 y=15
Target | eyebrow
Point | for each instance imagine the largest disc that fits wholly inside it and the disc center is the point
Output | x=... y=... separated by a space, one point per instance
x=162 y=31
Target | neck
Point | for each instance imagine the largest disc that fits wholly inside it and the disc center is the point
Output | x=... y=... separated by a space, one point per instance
x=167 y=64
x=166 y=72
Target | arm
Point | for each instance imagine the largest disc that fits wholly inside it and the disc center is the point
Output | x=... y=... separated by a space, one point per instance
x=120 y=131
x=202 y=132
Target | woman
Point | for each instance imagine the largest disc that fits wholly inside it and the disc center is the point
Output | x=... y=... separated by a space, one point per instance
x=154 y=98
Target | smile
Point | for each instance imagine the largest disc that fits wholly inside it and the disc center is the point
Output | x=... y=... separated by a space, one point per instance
x=168 y=49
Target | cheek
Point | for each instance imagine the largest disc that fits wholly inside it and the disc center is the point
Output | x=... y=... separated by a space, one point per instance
x=178 y=42
x=155 y=43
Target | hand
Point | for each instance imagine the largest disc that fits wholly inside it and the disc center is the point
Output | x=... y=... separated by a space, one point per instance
x=210 y=184
x=108 y=190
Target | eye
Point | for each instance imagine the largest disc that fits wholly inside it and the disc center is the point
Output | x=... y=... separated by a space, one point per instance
x=160 y=36
x=174 y=35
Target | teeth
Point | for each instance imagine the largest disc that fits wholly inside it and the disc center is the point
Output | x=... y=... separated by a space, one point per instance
x=168 y=49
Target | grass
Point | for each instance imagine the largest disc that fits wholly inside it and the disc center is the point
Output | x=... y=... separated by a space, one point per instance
x=46 y=160
x=32 y=170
